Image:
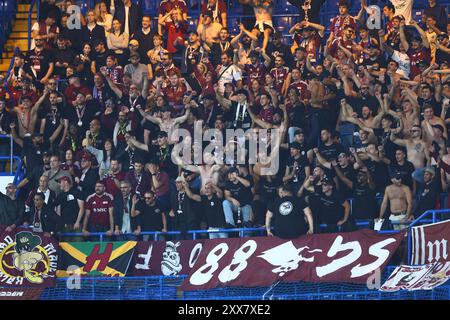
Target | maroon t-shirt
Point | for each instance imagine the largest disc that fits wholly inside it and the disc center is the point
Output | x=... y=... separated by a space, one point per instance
x=99 y=207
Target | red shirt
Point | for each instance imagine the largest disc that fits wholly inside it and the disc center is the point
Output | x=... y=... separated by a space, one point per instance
x=166 y=6
x=111 y=186
x=415 y=57
x=280 y=75
x=175 y=31
x=71 y=93
x=266 y=114
x=255 y=73
x=338 y=23
x=17 y=95
x=312 y=46
x=175 y=94
x=302 y=88
x=99 y=207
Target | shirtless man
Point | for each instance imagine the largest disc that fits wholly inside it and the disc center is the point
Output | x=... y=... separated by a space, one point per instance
x=166 y=123
x=27 y=115
x=410 y=112
x=400 y=201
x=263 y=14
x=416 y=148
x=430 y=120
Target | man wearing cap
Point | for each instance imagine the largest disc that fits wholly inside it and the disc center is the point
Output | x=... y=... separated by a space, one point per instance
x=297 y=168
x=238 y=108
x=418 y=51
x=89 y=175
x=309 y=36
x=54 y=173
x=137 y=71
x=400 y=200
x=428 y=191
x=374 y=61
x=22 y=88
x=292 y=216
x=99 y=215
x=404 y=167
x=69 y=205
x=182 y=214
x=332 y=208
x=35 y=172
x=256 y=70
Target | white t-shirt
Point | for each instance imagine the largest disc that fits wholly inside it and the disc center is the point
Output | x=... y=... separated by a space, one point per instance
x=403 y=63
x=403 y=8
x=232 y=73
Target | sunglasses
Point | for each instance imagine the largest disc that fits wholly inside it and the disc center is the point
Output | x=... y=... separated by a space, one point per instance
x=148 y=198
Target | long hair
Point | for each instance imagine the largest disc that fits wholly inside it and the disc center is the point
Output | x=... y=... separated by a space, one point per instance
x=113 y=150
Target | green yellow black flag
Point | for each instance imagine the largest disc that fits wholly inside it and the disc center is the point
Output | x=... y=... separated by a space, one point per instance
x=104 y=259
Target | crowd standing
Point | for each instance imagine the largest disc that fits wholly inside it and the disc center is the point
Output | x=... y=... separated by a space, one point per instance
x=364 y=113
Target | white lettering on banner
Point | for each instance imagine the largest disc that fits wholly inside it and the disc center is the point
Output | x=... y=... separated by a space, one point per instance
x=73 y=22
x=374 y=281
x=240 y=259
x=74 y=280
x=375 y=250
x=195 y=253
x=200 y=277
x=435 y=247
x=287 y=257
x=340 y=263
x=146 y=257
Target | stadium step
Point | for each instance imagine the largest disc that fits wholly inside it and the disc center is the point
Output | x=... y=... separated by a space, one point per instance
x=18 y=37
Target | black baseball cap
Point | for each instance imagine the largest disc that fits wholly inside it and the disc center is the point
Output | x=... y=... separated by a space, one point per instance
x=327 y=181
x=295 y=145
x=298 y=131
x=233 y=170
x=162 y=134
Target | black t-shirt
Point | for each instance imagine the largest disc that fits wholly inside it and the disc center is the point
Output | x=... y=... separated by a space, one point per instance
x=52 y=118
x=427 y=198
x=331 y=208
x=364 y=203
x=299 y=166
x=406 y=170
x=100 y=59
x=350 y=174
x=436 y=106
x=289 y=218
x=380 y=174
x=268 y=189
x=388 y=145
x=39 y=62
x=240 y=192
x=213 y=211
x=332 y=151
x=69 y=205
x=33 y=153
x=150 y=218
x=164 y=158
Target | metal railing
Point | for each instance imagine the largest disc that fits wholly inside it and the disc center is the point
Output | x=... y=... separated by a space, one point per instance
x=11 y=156
x=30 y=19
x=421 y=220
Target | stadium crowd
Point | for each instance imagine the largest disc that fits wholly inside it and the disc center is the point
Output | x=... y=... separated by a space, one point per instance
x=364 y=113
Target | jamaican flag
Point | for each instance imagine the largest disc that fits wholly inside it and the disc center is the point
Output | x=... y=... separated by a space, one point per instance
x=104 y=259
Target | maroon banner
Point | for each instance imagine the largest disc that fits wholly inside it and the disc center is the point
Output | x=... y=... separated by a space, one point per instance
x=430 y=243
x=262 y=261
x=161 y=258
x=20 y=294
x=27 y=259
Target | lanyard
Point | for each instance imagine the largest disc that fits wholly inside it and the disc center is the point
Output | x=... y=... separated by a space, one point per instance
x=22 y=121
x=241 y=117
x=180 y=199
